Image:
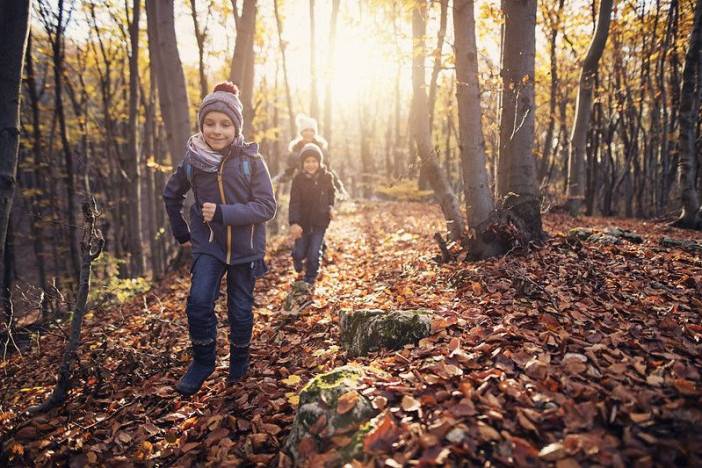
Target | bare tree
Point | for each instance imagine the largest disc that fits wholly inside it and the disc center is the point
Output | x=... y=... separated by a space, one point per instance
x=327 y=127
x=282 y=45
x=476 y=187
x=172 y=92
x=691 y=214
x=200 y=36
x=314 y=97
x=243 y=60
x=583 y=109
x=136 y=253
x=14 y=27
x=422 y=132
x=516 y=185
x=438 y=52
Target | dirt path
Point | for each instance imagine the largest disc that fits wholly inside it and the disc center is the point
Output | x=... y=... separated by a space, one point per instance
x=593 y=349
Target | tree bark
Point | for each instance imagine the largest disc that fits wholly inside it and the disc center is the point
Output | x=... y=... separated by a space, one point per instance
x=422 y=132
x=438 y=52
x=327 y=126
x=516 y=186
x=14 y=27
x=200 y=36
x=476 y=187
x=583 y=110
x=136 y=253
x=173 y=95
x=691 y=214
x=282 y=45
x=91 y=247
x=314 y=97
x=242 y=68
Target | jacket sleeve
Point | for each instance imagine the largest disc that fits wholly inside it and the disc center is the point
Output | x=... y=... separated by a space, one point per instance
x=294 y=208
x=332 y=190
x=173 y=197
x=262 y=206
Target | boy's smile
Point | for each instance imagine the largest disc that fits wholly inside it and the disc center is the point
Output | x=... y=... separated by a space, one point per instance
x=219 y=130
x=310 y=165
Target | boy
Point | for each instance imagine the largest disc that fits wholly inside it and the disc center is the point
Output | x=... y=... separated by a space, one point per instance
x=311 y=208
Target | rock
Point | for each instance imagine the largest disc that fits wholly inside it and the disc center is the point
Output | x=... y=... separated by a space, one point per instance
x=580 y=233
x=332 y=406
x=608 y=236
x=299 y=297
x=687 y=245
x=363 y=331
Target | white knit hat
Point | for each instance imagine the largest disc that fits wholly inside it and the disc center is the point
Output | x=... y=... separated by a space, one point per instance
x=305 y=122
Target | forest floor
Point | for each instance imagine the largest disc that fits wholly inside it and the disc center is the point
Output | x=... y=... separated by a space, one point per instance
x=574 y=353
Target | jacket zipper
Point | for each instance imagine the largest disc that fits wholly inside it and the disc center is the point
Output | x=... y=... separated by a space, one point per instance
x=252 y=233
x=224 y=201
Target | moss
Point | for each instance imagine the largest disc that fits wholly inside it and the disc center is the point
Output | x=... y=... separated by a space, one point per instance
x=319 y=398
x=331 y=384
x=355 y=447
x=369 y=330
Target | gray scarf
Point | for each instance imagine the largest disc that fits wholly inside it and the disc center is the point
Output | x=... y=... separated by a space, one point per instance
x=205 y=158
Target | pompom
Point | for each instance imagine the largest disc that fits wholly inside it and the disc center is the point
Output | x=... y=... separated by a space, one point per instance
x=228 y=87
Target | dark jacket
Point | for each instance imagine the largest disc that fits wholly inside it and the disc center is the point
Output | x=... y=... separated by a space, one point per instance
x=293 y=162
x=311 y=199
x=246 y=203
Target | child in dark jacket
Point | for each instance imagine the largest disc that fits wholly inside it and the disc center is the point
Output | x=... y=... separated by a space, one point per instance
x=311 y=209
x=233 y=200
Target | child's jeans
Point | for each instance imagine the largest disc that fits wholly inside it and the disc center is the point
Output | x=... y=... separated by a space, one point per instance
x=308 y=249
x=207 y=273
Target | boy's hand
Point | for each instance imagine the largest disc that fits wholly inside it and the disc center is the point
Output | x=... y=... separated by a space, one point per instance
x=295 y=231
x=208 y=211
x=332 y=212
x=187 y=245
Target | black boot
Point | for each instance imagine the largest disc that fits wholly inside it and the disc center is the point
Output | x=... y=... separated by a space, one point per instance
x=200 y=368
x=238 y=363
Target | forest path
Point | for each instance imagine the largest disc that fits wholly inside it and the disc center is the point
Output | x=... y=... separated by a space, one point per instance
x=594 y=347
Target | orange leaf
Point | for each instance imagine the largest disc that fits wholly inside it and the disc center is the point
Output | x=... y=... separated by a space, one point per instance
x=347 y=402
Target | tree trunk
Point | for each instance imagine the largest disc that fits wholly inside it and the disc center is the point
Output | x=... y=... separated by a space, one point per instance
x=314 y=98
x=691 y=214
x=553 y=96
x=58 y=59
x=327 y=126
x=91 y=247
x=437 y=59
x=243 y=61
x=282 y=45
x=200 y=36
x=583 y=109
x=476 y=187
x=136 y=253
x=516 y=174
x=14 y=27
x=173 y=95
x=422 y=132
x=34 y=175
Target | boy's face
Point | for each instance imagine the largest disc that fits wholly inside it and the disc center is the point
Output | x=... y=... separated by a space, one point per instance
x=219 y=130
x=310 y=165
x=308 y=134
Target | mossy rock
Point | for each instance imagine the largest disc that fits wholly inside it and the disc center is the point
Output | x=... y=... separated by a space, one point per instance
x=608 y=236
x=318 y=419
x=299 y=297
x=363 y=331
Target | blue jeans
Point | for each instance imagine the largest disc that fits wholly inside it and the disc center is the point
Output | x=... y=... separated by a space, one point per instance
x=207 y=272
x=307 y=252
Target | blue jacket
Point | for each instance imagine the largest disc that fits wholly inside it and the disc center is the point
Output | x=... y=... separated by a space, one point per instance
x=245 y=197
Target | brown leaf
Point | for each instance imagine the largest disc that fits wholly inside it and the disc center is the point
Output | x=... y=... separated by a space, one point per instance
x=410 y=404
x=347 y=402
x=382 y=437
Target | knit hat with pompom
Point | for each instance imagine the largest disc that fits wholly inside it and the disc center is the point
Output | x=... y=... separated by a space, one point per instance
x=225 y=99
